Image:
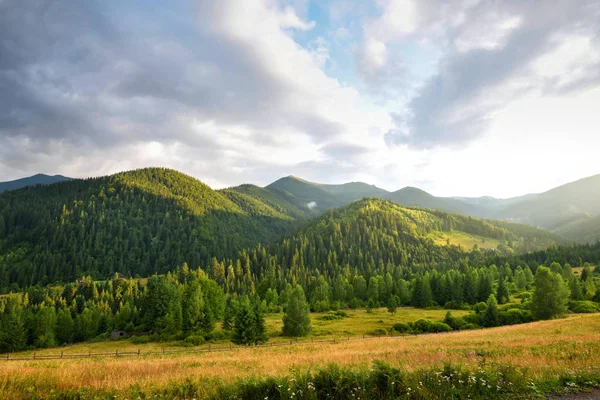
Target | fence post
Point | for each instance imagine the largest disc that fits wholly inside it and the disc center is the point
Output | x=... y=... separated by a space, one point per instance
x=163 y=350
x=290 y=342
x=209 y=347
x=138 y=352
x=8 y=356
x=61 y=354
x=34 y=356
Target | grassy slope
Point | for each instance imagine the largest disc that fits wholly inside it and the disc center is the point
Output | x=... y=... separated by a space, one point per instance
x=544 y=351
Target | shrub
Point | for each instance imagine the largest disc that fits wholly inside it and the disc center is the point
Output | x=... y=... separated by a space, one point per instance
x=380 y=332
x=401 y=327
x=194 y=340
x=425 y=326
x=584 y=307
x=515 y=316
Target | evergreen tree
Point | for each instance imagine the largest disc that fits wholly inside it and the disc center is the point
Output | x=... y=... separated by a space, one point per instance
x=393 y=304
x=575 y=288
x=421 y=296
x=229 y=314
x=491 y=317
x=502 y=292
x=12 y=328
x=260 y=327
x=244 y=332
x=551 y=295
x=296 y=320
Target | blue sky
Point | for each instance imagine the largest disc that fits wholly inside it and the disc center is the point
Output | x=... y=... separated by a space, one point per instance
x=465 y=97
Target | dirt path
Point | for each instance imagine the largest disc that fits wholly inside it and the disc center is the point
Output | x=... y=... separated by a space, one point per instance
x=593 y=395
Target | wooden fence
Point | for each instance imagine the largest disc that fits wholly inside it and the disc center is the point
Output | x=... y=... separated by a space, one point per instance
x=210 y=348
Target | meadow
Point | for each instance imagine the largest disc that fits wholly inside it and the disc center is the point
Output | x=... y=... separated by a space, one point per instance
x=519 y=361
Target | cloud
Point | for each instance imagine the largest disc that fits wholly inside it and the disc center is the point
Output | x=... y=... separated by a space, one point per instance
x=222 y=85
x=493 y=53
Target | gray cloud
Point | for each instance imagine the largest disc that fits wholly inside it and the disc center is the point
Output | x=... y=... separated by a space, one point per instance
x=83 y=76
x=487 y=65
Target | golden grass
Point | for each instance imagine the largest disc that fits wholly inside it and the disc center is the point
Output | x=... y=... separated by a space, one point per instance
x=546 y=348
x=466 y=240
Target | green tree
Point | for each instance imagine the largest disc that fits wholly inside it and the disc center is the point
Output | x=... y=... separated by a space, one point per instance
x=229 y=313
x=490 y=317
x=65 y=326
x=393 y=304
x=502 y=292
x=296 y=320
x=249 y=328
x=551 y=295
x=575 y=288
x=12 y=328
x=192 y=305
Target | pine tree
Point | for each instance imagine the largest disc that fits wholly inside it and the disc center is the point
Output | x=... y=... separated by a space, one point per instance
x=260 y=327
x=229 y=314
x=244 y=330
x=296 y=320
x=502 y=292
x=490 y=317
x=12 y=327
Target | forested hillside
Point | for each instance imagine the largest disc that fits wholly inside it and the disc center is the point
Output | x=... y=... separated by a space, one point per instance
x=138 y=222
x=149 y=221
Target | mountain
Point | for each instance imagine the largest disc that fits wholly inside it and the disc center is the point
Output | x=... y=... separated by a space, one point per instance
x=559 y=209
x=414 y=197
x=321 y=197
x=39 y=179
x=151 y=220
x=493 y=203
x=371 y=236
x=136 y=222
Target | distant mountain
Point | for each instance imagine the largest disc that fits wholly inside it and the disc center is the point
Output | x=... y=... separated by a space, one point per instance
x=493 y=203
x=322 y=197
x=558 y=207
x=414 y=197
x=39 y=179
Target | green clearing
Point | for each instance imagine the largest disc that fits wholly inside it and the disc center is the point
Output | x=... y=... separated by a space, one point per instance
x=358 y=323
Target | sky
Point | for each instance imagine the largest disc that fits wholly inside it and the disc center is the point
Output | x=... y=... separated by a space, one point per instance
x=458 y=98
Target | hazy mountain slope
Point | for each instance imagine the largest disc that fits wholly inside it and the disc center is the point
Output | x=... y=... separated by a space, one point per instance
x=39 y=179
x=414 y=197
x=584 y=230
x=557 y=206
x=352 y=191
x=311 y=194
x=493 y=203
x=137 y=222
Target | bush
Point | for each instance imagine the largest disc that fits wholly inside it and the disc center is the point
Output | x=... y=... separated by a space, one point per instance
x=215 y=336
x=515 y=316
x=194 y=340
x=584 y=307
x=333 y=315
x=379 y=332
x=141 y=339
x=401 y=327
x=425 y=326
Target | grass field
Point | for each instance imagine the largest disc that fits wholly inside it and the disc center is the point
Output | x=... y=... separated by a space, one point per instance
x=358 y=323
x=466 y=240
x=547 y=355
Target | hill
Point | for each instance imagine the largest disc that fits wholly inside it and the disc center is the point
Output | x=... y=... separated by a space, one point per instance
x=137 y=222
x=372 y=236
x=568 y=208
x=39 y=179
x=414 y=197
x=318 y=197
